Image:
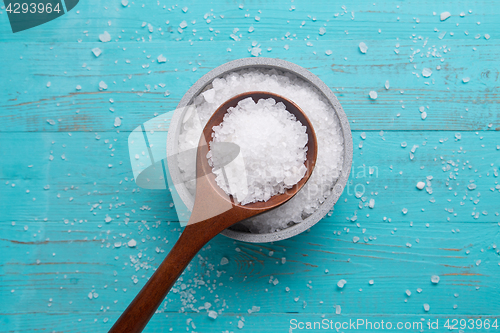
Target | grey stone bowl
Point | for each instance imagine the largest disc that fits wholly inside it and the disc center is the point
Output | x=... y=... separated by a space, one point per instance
x=203 y=83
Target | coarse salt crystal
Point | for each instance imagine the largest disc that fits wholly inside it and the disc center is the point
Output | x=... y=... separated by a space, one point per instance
x=362 y=47
x=426 y=72
x=97 y=51
x=444 y=16
x=105 y=37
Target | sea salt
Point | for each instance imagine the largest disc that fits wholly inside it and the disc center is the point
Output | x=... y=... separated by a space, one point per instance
x=341 y=283
x=271 y=139
x=320 y=113
x=362 y=47
x=97 y=51
x=435 y=279
x=426 y=72
x=420 y=185
x=105 y=37
x=373 y=94
x=426 y=307
x=445 y=15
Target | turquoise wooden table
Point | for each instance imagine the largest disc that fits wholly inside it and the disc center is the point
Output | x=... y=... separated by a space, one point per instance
x=65 y=169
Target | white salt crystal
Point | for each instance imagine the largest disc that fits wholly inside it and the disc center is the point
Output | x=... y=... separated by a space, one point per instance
x=255 y=51
x=185 y=9
x=341 y=283
x=183 y=24
x=435 y=279
x=97 y=51
x=103 y=85
x=124 y=3
x=362 y=47
x=387 y=84
x=338 y=309
x=48 y=84
x=212 y=314
x=283 y=162
x=426 y=307
x=373 y=94
x=486 y=36
x=322 y=31
x=426 y=72
x=371 y=203
x=161 y=58
x=371 y=282
x=78 y=87
x=107 y=219
x=328 y=52
x=423 y=115
x=240 y=324
x=105 y=37
x=118 y=122
x=444 y=15
x=355 y=239
x=466 y=79
x=420 y=185
x=118 y=244
x=90 y=296
x=224 y=261
x=132 y=243
x=405 y=211
x=408 y=292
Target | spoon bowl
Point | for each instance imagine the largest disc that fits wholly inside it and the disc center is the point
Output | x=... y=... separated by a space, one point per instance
x=213 y=212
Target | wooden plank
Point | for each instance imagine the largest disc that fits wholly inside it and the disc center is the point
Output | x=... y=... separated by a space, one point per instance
x=137 y=95
x=65 y=269
x=84 y=178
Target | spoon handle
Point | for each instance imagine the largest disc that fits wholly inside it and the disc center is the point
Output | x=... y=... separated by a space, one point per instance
x=144 y=305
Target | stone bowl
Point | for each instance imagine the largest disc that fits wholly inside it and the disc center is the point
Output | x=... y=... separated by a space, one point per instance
x=204 y=83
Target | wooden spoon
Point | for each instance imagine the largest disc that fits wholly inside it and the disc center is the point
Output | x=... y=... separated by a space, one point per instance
x=213 y=212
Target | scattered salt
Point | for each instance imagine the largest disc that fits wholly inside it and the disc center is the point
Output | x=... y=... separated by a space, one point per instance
x=444 y=15
x=373 y=94
x=118 y=122
x=97 y=51
x=426 y=72
x=387 y=85
x=362 y=47
x=420 y=185
x=435 y=279
x=341 y=283
x=105 y=37
x=103 y=85
x=161 y=58
x=224 y=261
x=212 y=314
x=426 y=307
x=466 y=79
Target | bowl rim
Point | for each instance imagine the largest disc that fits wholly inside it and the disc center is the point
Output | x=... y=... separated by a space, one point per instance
x=282 y=65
